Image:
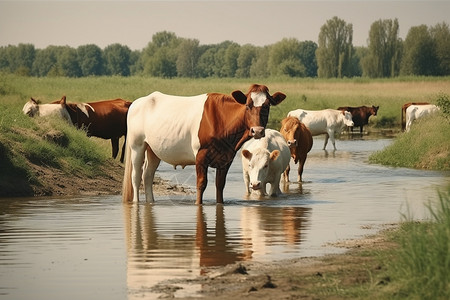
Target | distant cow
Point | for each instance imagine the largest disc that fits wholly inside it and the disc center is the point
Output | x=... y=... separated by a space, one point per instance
x=414 y=112
x=327 y=121
x=263 y=161
x=299 y=140
x=360 y=115
x=205 y=130
x=404 y=107
x=104 y=119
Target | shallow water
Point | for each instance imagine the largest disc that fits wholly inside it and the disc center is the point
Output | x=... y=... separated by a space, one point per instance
x=86 y=247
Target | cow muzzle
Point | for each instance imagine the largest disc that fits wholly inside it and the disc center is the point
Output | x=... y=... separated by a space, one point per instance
x=292 y=143
x=257 y=132
x=255 y=185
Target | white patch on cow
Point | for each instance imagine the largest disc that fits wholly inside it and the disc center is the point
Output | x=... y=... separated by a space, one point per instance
x=258 y=98
x=170 y=125
x=43 y=110
x=83 y=108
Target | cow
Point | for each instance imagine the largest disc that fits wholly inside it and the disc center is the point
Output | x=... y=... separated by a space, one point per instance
x=414 y=112
x=360 y=115
x=34 y=108
x=263 y=161
x=404 y=107
x=299 y=140
x=104 y=119
x=327 y=121
x=204 y=130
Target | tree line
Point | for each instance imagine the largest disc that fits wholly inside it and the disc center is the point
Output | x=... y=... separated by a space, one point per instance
x=425 y=51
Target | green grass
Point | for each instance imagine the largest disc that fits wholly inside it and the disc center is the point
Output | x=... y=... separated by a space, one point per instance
x=426 y=146
x=420 y=267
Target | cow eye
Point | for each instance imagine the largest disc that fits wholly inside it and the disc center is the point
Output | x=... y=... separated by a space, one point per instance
x=265 y=166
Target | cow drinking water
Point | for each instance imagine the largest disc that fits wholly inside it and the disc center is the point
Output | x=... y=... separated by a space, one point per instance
x=205 y=130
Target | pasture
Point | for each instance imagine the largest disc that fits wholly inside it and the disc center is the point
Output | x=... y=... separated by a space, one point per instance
x=311 y=94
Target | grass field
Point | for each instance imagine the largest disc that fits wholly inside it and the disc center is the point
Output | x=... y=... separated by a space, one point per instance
x=301 y=93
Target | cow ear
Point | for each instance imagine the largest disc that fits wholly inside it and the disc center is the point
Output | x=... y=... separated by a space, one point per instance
x=274 y=154
x=34 y=101
x=247 y=154
x=63 y=100
x=239 y=97
x=277 y=98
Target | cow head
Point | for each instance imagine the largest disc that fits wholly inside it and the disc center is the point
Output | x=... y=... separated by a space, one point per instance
x=259 y=165
x=348 y=121
x=374 y=110
x=257 y=104
x=289 y=130
x=31 y=108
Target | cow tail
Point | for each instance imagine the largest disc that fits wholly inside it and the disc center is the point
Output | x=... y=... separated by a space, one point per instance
x=127 y=187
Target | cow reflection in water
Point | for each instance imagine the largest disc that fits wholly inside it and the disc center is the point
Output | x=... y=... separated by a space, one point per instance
x=161 y=250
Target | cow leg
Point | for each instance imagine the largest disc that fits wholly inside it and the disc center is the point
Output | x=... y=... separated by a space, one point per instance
x=331 y=135
x=201 y=169
x=221 y=177
x=137 y=160
x=326 y=141
x=361 y=130
x=286 y=173
x=150 y=166
x=115 y=146
x=301 y=163
x=122 y=156
x=247 y=182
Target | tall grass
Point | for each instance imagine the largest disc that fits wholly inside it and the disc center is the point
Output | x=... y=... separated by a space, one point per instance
x=421 y=265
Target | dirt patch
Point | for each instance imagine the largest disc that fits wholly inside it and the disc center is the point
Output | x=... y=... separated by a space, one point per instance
x=55 y=182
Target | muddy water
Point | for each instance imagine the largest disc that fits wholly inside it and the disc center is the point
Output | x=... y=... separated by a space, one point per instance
x=97 y=247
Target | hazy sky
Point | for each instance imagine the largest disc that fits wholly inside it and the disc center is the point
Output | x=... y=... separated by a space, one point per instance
x=133 y=23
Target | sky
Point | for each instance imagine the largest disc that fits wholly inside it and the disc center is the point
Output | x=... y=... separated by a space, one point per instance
x=133 y=23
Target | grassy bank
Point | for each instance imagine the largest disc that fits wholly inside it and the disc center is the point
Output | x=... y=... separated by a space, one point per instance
x=426 y=146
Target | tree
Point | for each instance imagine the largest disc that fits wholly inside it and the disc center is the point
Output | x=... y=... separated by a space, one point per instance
x=384 y=47
x=231 y=56
x=440 y=35
x=90 y=59
x=159 y=58
x=187 y=60
x=247 y=55
x=335 y=48
x=68 y=62
x=19 y=59
x=419 y=56
x=117 y=60
x=259 y=66
x=308 y=57
x=284 y=59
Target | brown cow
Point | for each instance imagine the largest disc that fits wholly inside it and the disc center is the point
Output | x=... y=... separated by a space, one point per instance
x=204 y=130
x=404 y=107
x=104 y=119
x=299 y=140
x=360 y=115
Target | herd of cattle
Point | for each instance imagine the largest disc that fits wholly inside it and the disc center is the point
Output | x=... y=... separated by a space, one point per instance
x=208 y=130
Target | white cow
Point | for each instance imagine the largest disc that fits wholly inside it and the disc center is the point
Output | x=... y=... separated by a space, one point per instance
x=263 y=161
x=327 y=121
x=414 y=112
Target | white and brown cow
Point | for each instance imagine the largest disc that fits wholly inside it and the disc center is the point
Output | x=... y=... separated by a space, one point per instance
x=205 y=130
